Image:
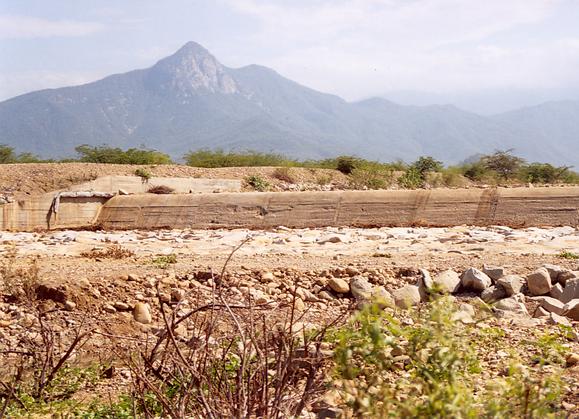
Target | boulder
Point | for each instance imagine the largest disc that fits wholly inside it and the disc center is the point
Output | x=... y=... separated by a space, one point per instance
x=554 y=271
x=494 y=272
x=552 y=305
x=476 y=280
x=361 y=289
x=339 y=285
x=557 y=319
x=383 y=297
x=447 y=282
x=424 y=284
x=567 y=275
x=539 y=282
x=540 y=312
x=571 y=309
x=556 y=292
x=571 y=290
x=512 y=284
x=511 y=304
x=407 y=296
x=142 y=314
x=493 y=294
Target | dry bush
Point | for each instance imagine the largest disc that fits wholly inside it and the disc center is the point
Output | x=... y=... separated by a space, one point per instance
x=284 y=174
x=241 y=360
x=112 y=252
x=161 y=190
x=18 y=284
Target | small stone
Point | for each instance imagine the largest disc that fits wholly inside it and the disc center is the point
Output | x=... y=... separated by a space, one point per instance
x=571 y=309
x=361 y=289
x=539 y=282
x=493 y=294
x=476 y=280
x=109 y=309
x=324 y=295
x=267 y=277
x=69 y=305
x=142 y=314
x=177 y=294
x=407 y=296
x=351 y=271
x=447 y=282
x=554 y=318
x=512 y=284
x=299 y=304
x=132 y=278
x=572 y=359
x=339 y=285
x=494 y=272
x=120 y=306
x=383 y=297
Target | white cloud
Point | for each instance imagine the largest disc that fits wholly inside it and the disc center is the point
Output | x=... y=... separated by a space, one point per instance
x=359 y=48
x=13 y=27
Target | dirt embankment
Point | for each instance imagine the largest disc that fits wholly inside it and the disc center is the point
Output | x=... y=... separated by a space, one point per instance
x=44 y=177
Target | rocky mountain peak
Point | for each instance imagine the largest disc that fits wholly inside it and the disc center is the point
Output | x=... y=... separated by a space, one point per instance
x=191 y=70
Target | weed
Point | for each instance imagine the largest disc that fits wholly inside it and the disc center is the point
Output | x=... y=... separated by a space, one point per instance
x=112 y=252
x=565 y=254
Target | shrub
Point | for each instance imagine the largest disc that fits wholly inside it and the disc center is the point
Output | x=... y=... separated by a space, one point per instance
x=411 y=179
x=565 y=254
x=426 y=164
x=543 y=173
x=220 y=158
x=144 y=174
x=164 y=261
x=115 y=155
x=257 y=182
x=371 y=175
x=161 y=190
x=476 y=171
x=284 y=174
x=112 y=252
x=347 y=164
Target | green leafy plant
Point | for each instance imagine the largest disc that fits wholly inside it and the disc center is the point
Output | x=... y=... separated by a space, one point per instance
x=565 y=254
x=143 y=173
x=115 y=155
x=164 y=261
x=257 y=182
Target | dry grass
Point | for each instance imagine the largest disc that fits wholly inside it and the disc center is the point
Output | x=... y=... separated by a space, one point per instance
x=111 y=252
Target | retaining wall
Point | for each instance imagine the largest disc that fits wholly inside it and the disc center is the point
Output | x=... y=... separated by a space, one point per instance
x=438 y=207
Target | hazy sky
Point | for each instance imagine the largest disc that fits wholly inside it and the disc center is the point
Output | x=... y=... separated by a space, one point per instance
x=354 y=48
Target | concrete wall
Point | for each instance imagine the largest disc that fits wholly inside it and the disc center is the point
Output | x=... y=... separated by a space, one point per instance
x=135 y=185
x=34 y=213
x=439 y=207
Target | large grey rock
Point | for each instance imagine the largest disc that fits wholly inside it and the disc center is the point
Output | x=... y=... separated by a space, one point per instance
x=447 y=282
x=571 y=290
x=571 y=309
x=339 y=285
x=476 y=280
x=552 y=305
x=511 y=304
x=382 y=296
x=142 y=314
x=361 y=289
x=494 y=272
x=554 y=271
x=425 y=284
x=493 y=293
x=567 y=275
x=407 y=296
x=512 y=284
x=539 y=282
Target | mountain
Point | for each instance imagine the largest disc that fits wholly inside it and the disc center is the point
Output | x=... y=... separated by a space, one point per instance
x=189 y=101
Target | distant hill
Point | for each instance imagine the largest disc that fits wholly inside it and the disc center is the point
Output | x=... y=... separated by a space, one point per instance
x=190 y=101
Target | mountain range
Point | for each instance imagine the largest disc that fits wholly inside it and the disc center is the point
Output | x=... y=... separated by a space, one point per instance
x=191 y=101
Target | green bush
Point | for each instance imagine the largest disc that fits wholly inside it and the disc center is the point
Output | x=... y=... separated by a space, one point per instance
x=220 y=158
x=371 y=175
x=543 y=173
x=143 y=173
x=112 y=155
x=257 y=182
x=411 y=179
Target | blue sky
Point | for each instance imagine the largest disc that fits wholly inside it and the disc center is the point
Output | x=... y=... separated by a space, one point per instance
x=355 y=48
